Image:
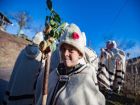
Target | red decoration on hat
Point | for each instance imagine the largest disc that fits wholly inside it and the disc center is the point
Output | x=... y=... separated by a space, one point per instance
x=75 y=35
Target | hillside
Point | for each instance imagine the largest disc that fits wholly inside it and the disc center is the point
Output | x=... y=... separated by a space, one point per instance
x=10 y=46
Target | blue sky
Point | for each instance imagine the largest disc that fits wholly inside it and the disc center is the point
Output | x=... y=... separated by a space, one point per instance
x=99 y=19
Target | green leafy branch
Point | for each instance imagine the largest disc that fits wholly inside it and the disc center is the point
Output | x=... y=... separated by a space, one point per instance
x=54 y=28
x=53 y=21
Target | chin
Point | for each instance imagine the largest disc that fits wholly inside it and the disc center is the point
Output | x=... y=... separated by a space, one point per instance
x=68 y=65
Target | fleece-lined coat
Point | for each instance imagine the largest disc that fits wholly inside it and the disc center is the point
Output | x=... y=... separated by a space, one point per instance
x=79 y=88
x=21 y=87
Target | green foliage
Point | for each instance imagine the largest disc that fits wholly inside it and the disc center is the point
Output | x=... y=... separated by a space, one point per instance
x=49 y=4
x=54 y=21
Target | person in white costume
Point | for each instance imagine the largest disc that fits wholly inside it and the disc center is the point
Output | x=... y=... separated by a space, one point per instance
x=21 y=87
x=112 y=67
x=72 y=83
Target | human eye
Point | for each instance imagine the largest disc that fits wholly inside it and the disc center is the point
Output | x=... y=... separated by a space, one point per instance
x=71 y=50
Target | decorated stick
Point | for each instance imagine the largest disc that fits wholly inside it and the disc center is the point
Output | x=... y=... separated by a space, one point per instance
x=53 y=30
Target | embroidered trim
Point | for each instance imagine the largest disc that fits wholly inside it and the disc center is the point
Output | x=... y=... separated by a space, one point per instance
x=19 y=97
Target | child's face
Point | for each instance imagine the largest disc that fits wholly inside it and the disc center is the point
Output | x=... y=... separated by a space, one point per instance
x=69 y=55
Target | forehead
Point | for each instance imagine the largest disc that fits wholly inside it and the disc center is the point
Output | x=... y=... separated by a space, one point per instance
x=67 y=46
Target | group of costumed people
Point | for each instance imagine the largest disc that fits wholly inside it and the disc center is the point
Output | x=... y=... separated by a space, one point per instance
x=76 y=73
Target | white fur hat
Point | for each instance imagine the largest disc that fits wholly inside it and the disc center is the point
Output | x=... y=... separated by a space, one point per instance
x=38 y=38
x=84 y=35
x=73 y=36
x=114 y=44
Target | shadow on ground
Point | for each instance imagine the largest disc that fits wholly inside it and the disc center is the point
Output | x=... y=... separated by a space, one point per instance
x=3 y=86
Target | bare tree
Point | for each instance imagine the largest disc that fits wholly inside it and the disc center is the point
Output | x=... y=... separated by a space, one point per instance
x=23 y=19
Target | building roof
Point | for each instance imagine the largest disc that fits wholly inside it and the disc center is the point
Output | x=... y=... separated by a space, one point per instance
x=5 y=18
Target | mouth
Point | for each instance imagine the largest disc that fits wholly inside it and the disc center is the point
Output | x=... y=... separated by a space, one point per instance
x=66 y=60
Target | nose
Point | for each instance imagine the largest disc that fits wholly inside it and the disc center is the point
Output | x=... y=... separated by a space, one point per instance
x=66 y=53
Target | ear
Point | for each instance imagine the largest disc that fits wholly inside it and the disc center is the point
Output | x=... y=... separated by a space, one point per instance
x=80 y=55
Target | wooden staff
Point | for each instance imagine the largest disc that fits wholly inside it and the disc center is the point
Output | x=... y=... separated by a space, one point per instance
x=46 y=50
x=46 y=76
